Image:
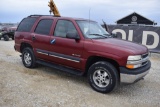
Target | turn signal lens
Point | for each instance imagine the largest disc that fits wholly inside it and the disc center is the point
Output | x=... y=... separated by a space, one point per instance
x=130 y=66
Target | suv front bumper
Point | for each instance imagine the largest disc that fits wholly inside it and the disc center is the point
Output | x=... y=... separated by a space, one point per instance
x=133 y=75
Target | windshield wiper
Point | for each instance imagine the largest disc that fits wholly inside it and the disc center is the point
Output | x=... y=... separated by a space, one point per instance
x=99 y=35
x=108 y=35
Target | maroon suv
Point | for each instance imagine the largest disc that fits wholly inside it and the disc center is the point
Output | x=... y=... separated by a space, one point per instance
x=81 y=46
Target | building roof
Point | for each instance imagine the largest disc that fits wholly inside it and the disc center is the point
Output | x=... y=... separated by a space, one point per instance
x=135 y=18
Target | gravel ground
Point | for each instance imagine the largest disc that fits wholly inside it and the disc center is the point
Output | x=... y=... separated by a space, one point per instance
x=46 y=87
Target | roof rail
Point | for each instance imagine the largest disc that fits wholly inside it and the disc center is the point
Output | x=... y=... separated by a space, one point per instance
x=36 y=15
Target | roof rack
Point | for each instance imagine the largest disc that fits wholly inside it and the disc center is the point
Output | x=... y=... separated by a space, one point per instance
x=36 y=15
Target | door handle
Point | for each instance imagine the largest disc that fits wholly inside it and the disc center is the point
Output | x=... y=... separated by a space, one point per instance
x=53 y=41
x=33 y=38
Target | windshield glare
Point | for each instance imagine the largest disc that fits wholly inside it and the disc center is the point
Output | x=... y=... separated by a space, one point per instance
x=92 y=29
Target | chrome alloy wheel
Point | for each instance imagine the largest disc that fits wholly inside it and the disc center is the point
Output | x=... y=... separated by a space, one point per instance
x=27 y=58
x=101 y=78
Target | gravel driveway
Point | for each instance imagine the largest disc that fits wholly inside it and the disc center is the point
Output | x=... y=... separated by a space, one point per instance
x=47 y=87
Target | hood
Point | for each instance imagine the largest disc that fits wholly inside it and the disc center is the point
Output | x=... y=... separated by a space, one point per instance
x=122 y=45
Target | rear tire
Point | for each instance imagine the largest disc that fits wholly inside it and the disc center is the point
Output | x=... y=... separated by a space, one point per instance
x=6 y=37
x=28 y=58
x=103 y=77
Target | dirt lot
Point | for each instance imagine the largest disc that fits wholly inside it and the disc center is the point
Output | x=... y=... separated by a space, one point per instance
x=46 y=87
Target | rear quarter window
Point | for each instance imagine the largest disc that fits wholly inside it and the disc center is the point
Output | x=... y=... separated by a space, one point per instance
x=26 y=24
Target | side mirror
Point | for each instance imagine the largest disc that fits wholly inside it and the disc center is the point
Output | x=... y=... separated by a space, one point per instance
x=72 y=36
x=114 y=35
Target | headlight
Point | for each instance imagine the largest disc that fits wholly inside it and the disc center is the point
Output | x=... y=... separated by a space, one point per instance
x=134 y=61
x=137 y=61
x=134 y=58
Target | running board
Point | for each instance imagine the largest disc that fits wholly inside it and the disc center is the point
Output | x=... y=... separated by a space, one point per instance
x=60 y=67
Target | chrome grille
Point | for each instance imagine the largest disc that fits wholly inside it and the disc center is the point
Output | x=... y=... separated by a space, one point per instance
x=145 y=55
x=145 y=58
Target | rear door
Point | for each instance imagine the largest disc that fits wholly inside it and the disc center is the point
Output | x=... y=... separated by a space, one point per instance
x=63 y=50
x=41 y=38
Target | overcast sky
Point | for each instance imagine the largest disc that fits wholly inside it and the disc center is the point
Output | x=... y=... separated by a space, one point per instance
x=108 y=10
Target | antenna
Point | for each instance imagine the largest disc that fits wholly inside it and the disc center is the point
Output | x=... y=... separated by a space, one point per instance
x=89 y=19
x=89 y=13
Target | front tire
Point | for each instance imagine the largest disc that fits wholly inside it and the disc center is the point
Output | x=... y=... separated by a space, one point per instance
x=28 y=58
x=103 y=77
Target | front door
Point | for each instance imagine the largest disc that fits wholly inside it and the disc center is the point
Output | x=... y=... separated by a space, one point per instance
x=66 y=51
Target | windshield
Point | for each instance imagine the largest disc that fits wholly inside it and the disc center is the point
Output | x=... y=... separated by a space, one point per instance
x=92 y=30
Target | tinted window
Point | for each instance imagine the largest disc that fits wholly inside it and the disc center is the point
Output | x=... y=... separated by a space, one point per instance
x=63 y=27
x=44 y=26
x=26 y=24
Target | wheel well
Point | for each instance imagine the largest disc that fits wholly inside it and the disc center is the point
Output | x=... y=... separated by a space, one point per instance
x=24 y=45
x=93 y=59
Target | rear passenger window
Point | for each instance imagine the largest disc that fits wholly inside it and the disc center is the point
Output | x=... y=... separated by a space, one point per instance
x=44 y=26
x=26 y=24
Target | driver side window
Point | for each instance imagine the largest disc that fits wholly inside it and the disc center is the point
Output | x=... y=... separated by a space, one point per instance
x=63 y=27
